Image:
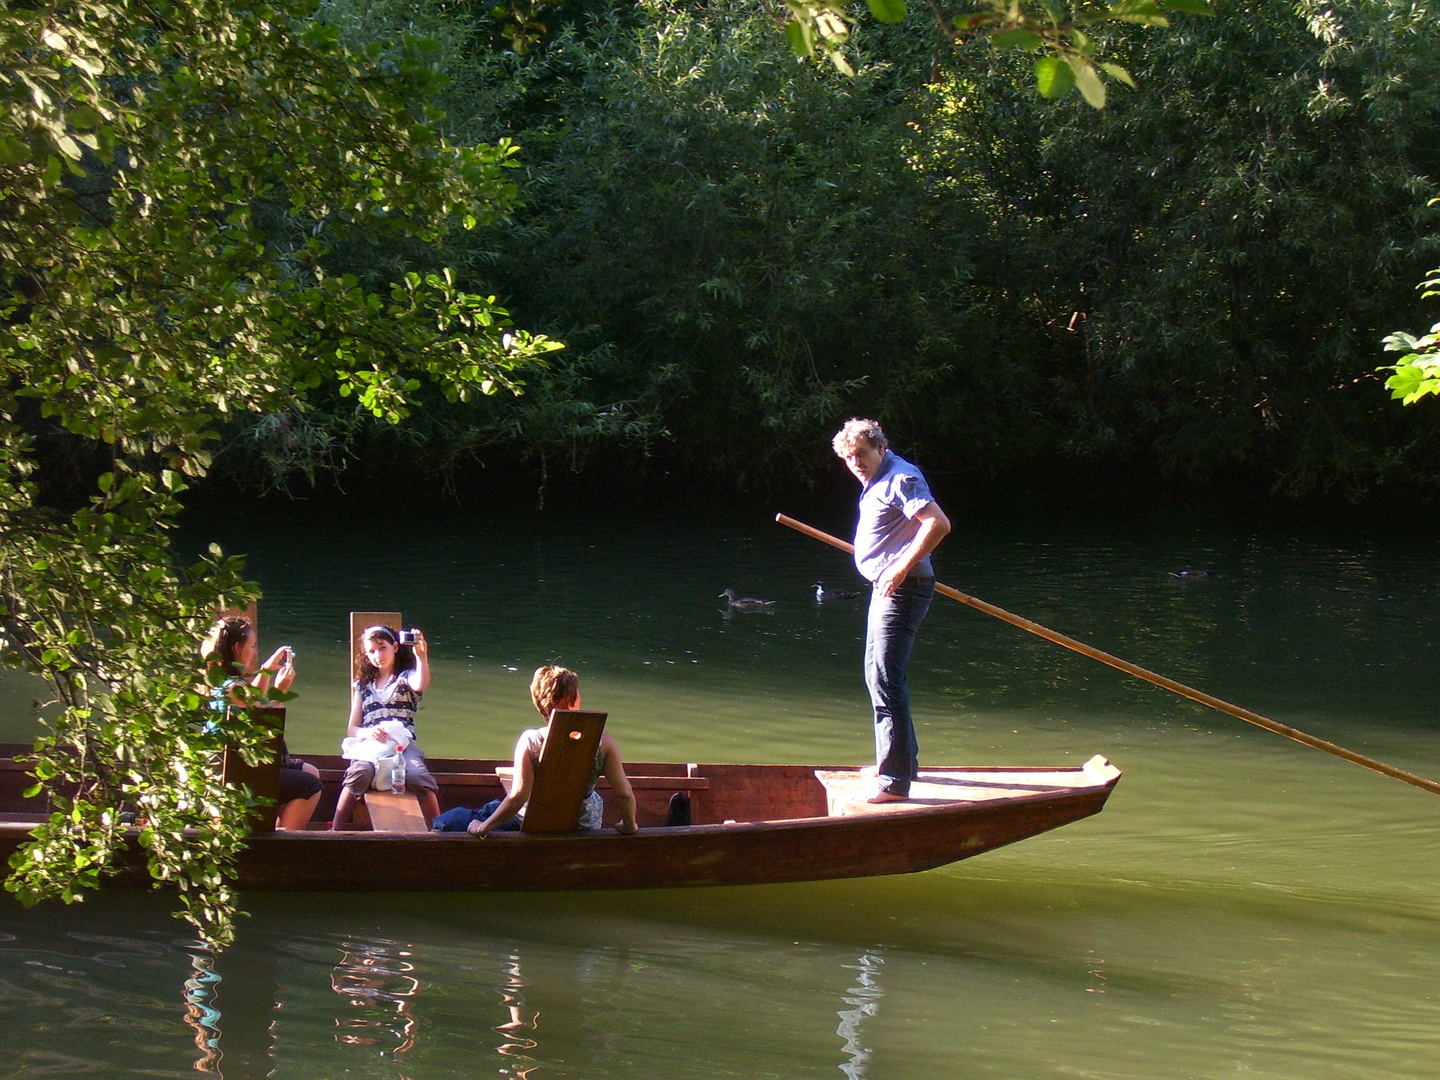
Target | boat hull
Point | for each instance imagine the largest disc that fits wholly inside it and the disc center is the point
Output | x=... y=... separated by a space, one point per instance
x=823 y=840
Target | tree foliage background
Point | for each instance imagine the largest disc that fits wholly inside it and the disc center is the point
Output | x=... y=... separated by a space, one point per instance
x=741 y=249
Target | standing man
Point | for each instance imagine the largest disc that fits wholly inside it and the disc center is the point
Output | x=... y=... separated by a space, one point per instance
x=900 y=524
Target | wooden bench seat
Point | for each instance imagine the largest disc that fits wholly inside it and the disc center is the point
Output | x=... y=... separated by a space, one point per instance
x=395 y=813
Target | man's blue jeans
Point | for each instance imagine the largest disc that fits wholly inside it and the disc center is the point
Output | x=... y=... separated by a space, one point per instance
x=889 y=636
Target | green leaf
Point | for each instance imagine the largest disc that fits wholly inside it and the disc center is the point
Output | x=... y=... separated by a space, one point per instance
x=1053 y=77
x=973 y=20
x=1092 y=88
x=888 y=11
x=84 y=117
x=800 y=36
x=1115 y=71
x=1189 y=7
x=1141 y=12
x=13 y=151
x=1018 y=38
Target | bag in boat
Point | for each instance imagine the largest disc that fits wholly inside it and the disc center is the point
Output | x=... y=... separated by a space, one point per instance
x=382 y=754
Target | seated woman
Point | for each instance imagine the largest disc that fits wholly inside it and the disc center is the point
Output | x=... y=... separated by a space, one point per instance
x=230 y=647
x=389 y=679
x=558 y=688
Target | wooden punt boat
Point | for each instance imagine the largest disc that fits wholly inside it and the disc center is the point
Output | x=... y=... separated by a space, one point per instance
x=752 y=824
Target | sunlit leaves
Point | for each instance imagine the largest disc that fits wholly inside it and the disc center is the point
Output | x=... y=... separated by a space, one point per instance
x=1417 y=373
x=1053 y=77
x=1091 y=87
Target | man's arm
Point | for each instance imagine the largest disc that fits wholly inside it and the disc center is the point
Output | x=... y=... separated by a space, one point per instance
x=934 y=527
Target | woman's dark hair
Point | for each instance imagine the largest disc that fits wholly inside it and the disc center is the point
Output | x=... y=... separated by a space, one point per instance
x=230 y=636
x=366 y=671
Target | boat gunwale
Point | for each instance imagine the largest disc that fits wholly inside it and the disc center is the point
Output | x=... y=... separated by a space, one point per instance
x=891 y=812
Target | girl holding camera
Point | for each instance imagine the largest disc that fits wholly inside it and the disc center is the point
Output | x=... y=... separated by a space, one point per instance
x=390 y=677
x=230 y=647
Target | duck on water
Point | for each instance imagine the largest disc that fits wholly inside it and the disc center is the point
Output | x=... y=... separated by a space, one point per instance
x=745 y=603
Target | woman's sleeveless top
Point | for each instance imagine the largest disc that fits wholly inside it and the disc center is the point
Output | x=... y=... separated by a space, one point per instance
x=394 y=701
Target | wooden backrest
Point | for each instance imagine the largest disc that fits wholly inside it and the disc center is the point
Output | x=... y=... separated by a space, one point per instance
x=262 y=779
x=562 y=776
x=359 y=622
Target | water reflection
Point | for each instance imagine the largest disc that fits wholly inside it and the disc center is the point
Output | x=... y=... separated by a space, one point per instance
x=514 y=1045
x=864 y=1001
x=375 y=977
x=201 y=1016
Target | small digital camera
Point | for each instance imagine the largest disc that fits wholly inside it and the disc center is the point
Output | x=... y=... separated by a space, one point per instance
x=407 y=637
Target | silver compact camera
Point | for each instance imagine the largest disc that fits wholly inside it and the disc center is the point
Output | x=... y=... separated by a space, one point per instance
x=407 y=637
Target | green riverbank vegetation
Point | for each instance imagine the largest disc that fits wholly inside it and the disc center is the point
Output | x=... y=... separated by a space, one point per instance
x=740 y=250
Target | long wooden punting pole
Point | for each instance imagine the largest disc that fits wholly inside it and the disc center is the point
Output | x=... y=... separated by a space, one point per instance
x=1142 y=673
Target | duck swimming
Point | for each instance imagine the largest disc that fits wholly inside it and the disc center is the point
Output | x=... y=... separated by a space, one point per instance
x=1191 y=575
x=822 y=594
x=745 y=603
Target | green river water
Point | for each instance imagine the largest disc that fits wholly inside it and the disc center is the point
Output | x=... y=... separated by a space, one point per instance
x=1244 y=906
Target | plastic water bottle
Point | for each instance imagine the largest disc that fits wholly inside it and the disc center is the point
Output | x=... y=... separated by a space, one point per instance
x=397 y=775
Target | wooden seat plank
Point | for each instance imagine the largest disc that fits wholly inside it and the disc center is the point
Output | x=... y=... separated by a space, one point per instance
x=395 y=813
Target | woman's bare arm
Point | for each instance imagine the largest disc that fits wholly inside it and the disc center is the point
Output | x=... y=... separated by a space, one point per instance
x=619 y=785
x=419 y=676
x=519 y=794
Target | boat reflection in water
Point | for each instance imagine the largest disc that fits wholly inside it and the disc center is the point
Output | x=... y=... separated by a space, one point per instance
x=376 y=977
x=863 y=1000
x=515 y=1045
x=264 y=1007
x=201 y=1016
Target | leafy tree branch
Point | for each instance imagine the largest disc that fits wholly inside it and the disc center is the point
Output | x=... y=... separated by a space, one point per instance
x=174 y=178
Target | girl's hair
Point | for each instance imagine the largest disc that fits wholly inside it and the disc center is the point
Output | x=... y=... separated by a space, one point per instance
x=225 y=642
x=554 y=688
x=404 y=654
